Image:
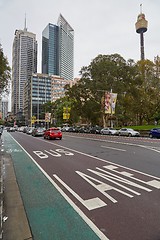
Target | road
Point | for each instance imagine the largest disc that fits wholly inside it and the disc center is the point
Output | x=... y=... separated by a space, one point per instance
x=98 y=187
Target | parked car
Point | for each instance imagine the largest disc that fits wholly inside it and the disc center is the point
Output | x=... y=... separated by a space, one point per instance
x=11 y=129
x=154 y=133
x=52 y=133
x=37 y=132
x=20 y=129
x=128 y=132
x=95 y=129
x=84 y=129
x=29 y=130
x=109 y=131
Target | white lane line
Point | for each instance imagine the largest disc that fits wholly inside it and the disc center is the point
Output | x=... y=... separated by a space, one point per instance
x=103 y=160
x=75 y=207
x=90 y=204
x=118 y=149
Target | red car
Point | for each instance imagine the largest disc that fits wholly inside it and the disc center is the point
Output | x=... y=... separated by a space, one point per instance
x=52 y=133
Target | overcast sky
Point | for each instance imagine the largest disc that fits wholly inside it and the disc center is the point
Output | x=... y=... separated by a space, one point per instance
x=100 y=26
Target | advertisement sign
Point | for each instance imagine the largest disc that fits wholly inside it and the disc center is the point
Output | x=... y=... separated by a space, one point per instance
x=66 y=113
x=47 y=117
x=110 y=102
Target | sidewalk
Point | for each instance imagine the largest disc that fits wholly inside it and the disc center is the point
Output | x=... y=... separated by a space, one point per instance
x=14 y=223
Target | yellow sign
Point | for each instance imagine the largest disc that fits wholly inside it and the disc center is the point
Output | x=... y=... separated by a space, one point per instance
x=66 y=113
x=33 y=119
x=66 y=116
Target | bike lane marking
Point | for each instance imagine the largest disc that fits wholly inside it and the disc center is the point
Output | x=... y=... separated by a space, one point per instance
x=66 y=221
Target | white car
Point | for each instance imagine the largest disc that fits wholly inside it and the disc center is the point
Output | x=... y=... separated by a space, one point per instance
x=109 y=131
x=129 y=132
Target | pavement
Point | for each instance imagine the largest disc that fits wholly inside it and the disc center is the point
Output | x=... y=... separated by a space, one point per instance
x=14 y=224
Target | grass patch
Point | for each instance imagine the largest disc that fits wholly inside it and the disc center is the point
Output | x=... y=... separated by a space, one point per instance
x=144 y=127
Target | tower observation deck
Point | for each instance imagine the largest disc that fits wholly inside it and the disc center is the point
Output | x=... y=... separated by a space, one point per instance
x=141 y=28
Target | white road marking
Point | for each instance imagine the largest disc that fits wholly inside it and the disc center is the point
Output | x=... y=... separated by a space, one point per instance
x=103 y=160
x=118 y=149
x=90 y=204
x=78 y=210
x=155 y=149
x=153 y=183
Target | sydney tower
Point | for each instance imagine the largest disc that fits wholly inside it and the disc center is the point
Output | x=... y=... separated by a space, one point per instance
x=141 y=27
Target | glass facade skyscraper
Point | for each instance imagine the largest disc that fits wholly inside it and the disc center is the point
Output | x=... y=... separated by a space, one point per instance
x=24 y=63
x=50 y=50
x=58 y=49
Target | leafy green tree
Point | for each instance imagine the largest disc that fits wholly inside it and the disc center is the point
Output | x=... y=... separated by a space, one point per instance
x=4 y=72
x=105 y=73
x=148 y=93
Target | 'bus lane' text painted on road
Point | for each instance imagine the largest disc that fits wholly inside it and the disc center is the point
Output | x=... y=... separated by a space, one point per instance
x=122 y=182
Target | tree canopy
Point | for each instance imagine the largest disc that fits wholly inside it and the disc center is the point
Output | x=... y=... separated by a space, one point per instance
x=137 y=86
x=4 y=72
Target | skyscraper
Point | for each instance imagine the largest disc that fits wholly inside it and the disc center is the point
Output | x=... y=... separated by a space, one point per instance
x=66 y=52
x=58 y=49
x=50 y=50
x=24 y=63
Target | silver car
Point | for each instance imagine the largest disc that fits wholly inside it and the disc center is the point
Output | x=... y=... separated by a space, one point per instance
x=109 y=131
x=129 y=132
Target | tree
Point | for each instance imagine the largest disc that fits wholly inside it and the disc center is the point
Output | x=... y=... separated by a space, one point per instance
x=4 y=72
x=105 y=73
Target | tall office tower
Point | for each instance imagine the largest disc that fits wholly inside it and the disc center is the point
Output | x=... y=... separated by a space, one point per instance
x=50 y=50
x=58 y=49
x=66 y=54
x=141 y=27
x=24 y=63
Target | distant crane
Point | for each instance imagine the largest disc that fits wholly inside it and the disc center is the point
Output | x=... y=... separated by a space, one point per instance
x=141 y=27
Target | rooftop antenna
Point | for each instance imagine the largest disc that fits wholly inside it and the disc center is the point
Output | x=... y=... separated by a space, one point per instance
x=25 y=24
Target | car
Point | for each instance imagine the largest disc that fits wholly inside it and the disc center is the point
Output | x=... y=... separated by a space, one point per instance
x=154 y=133
x=29 y=130
x=11 y=129
x=95 y=129
x=109 y=131
x=37 y=132
x=52 y=133
x=129 y=132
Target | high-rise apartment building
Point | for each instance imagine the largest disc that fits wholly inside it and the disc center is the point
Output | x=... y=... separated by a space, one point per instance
x=24 y=63
x=58 y=49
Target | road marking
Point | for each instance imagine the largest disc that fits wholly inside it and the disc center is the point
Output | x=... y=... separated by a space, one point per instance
x=112 y=178
x=153 y=183
x=75 y=207
x=90 y=204
x=55 y=153
x=123 y=143
x=118 y=149
x=103 y=160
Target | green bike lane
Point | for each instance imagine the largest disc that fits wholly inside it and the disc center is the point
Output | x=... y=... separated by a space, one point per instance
x=50 y=216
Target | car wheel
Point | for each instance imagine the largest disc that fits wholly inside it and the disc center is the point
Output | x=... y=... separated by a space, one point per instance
x=60 y=138
x=150 y=135
x=129 y=135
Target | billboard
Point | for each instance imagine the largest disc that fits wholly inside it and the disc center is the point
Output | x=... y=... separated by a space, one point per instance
x=110 y=102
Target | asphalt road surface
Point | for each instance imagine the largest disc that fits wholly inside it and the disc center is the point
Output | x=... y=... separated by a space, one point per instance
x=89 y=186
